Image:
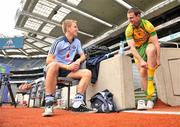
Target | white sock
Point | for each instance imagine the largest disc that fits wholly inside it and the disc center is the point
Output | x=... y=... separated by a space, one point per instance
x=78 y=100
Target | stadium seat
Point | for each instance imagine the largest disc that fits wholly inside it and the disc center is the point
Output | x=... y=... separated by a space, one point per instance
x=37 y=92
x=67 y=82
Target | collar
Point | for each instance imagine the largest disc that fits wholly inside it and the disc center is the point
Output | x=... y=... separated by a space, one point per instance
x=66 y=40
x=140 y=24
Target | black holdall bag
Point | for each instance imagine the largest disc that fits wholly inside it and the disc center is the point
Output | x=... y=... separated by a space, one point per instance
x=96 y=51
x=103 y=102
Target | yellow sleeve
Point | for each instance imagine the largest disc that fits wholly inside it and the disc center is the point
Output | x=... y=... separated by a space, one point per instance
x=149 y=28
x=129 y=32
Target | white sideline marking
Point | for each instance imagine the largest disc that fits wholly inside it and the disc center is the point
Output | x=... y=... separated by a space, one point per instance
x=153 y=112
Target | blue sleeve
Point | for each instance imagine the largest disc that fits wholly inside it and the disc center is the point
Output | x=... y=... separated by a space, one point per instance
x=55 y=44
x=79 y=48
x=53 y=48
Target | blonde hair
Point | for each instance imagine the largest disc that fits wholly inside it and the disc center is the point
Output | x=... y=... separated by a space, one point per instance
x=67 y=23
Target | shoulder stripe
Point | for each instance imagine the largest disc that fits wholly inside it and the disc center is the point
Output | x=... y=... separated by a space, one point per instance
x=53 y=48
x=54 y=45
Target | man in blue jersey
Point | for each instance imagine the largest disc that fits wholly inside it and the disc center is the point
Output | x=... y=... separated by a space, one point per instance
x=60 y=63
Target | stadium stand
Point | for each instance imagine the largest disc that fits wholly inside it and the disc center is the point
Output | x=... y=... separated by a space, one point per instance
x=24 y=69
x=23 y=63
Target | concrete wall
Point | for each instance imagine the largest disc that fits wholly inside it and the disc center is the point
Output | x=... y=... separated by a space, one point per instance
x=168 y=76
x=115 y=74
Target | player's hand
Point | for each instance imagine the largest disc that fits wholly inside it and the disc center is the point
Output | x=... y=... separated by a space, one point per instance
x=77 y=64
x=158 y=62
x=74 y=66
x=143 y=63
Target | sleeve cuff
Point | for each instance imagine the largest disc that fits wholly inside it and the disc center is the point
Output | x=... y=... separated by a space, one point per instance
x=153 y=33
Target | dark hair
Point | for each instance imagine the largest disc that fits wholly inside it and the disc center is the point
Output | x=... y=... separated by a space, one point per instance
x=136 y=11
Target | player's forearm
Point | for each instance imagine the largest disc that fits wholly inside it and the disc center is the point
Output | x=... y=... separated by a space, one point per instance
x=136 y=54
x=82 y=58
x=158 y=51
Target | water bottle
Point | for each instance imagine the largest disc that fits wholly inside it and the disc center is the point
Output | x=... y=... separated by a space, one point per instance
x=121 y=49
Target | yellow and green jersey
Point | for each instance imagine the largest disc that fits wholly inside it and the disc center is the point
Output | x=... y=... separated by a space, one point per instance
x=141 y=33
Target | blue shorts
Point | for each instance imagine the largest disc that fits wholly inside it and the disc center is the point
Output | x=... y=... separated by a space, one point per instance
x=63 y=73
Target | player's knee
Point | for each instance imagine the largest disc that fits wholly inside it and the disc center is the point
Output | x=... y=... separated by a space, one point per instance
x=53 y=67
x=87 y=73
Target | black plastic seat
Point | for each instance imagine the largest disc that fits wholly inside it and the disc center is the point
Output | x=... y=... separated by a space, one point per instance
x=67 y=82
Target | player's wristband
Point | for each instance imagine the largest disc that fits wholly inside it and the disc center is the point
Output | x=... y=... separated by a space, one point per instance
x=67 y=67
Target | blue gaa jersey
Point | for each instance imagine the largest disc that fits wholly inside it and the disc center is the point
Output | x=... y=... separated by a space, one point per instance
x=64 y=51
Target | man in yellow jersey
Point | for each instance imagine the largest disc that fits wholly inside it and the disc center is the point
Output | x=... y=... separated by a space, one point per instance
x=141 y=36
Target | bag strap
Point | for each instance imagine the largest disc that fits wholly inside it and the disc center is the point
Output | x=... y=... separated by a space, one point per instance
x=104 y=102
x=106 y=93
